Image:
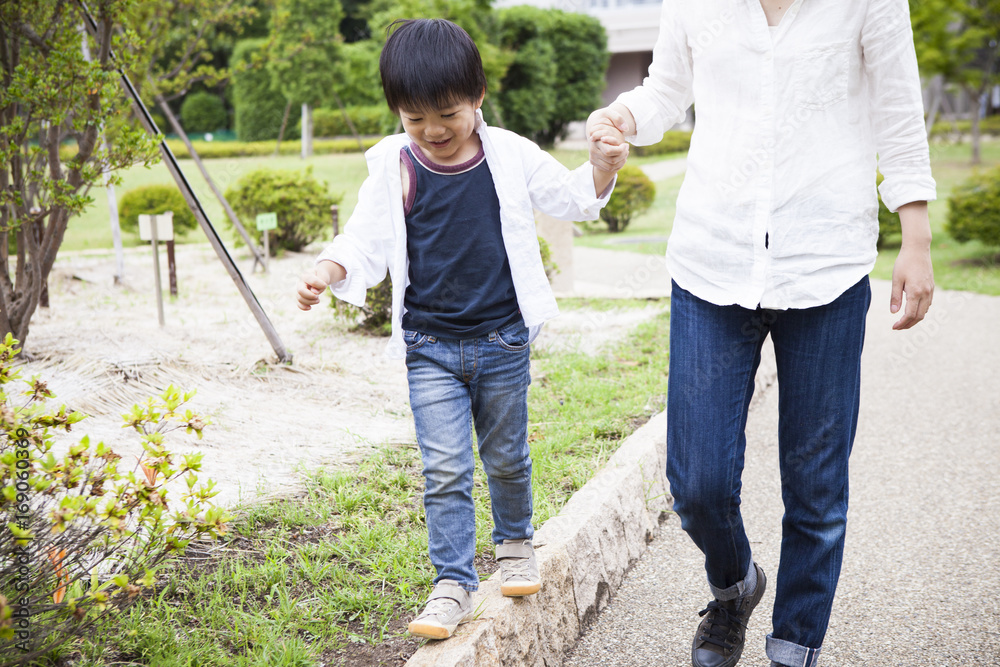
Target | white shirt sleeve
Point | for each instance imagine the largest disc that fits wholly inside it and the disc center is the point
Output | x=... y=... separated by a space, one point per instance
x=665 y=95
x=890 y=63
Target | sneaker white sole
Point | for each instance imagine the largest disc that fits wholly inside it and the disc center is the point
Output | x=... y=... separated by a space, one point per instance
x=520 y=588
x=434 y=630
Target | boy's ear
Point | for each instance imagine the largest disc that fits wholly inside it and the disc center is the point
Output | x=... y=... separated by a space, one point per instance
x=482 y=96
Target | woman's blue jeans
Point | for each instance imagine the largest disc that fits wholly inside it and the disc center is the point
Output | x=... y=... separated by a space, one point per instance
x=455 y=386
x=714 y=354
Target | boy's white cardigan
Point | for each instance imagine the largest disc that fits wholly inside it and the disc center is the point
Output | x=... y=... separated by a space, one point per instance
x=526 y=178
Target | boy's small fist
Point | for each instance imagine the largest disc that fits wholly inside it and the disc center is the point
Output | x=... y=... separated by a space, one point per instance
x=310 y=287
x=608 y=154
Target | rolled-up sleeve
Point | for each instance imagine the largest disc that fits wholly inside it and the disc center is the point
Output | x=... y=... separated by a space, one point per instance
x=897 y=112
x=665 y=95
x=566 y=194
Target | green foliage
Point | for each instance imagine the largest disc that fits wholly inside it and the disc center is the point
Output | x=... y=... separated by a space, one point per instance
x=674 y=141
x=358 y=81
x=375 y=317
x=203 y=112
x=301 y=203
x=81 y=536
x=633 y=194
x=376 y=119
x=51 y=96
x=259 y=109
x=988 y=126
x=305 y=49
x=888 y=222
x=974 y=209
x=551 y=268
x=152 y=199
x=557 y=74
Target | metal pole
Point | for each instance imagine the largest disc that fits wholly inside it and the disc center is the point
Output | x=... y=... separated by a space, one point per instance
x=156 y=269
x=199 y=213
x=335 y=216
x=172 y=268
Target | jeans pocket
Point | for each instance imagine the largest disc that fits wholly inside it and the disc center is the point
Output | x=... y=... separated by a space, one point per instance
x=514 y=337
x=820 y=76
x=414 y=339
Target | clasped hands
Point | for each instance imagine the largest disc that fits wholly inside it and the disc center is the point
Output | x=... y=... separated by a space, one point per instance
x=606 y=131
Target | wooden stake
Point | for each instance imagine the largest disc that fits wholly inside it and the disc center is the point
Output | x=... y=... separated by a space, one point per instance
x=156 y=269
x=172 y=268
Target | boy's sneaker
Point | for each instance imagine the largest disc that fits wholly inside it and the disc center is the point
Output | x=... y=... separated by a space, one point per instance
x=720 y=636
x=448 y=605
x=518 y=568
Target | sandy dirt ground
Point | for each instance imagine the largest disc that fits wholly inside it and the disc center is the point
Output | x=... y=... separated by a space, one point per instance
x=101 y=349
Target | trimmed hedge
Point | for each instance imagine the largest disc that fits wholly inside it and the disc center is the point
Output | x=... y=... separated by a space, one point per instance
x=225 y=149
x=301 y=203
x=633 y=194
x=974 y=209
x=674 y=141
x=204 y=112
x=155 y=199
x=989 y=126
x=369 y=120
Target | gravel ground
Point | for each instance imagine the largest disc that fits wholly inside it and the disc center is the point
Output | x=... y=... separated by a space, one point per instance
x=921 y=577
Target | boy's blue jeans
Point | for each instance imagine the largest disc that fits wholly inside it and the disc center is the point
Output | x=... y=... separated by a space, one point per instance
x=455 y=386
x=714 y=354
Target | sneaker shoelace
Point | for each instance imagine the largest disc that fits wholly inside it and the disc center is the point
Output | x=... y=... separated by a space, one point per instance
x=721 y=621
x=517 y=567
x=439 y=607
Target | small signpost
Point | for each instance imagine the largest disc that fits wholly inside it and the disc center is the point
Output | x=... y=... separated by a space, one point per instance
x=265 y=223
x=156 y=228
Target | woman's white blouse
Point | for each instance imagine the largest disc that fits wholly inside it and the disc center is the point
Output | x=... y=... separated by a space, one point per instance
x=778 y=208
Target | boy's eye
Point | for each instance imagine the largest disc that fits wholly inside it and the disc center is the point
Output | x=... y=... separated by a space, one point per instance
x=448 y=115
x=414 y=120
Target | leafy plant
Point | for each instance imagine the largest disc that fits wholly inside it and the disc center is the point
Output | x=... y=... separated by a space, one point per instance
x=155 y=199
x=633 y=194
x=301 y=203
x=375 y=317
x=81 y=536
x=888 y=222
x=974 y=209
x=204 y=112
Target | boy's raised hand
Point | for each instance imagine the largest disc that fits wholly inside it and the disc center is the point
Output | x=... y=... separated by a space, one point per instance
x=312 y=284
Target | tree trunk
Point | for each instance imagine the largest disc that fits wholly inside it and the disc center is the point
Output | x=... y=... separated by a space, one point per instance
x=936 y=91
x=976 y=96
x=281 y=132
x=350 y=123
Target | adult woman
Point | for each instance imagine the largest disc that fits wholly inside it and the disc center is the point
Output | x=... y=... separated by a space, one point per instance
x=775 y=235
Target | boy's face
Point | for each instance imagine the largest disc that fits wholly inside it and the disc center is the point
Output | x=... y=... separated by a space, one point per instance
x=447 y=134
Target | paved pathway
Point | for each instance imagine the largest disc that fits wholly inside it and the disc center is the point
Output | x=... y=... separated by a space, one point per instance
x=921 y=575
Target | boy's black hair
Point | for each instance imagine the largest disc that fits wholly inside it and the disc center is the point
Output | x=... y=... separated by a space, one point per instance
x=429 y=64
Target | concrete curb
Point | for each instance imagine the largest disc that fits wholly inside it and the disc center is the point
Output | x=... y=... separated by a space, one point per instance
x=583 y=555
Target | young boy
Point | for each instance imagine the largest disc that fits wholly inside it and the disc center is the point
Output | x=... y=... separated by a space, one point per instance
x=447 y=210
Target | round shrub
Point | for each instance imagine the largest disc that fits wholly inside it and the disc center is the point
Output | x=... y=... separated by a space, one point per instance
x=301 y=203
x=633 y=194
x=151 y=199
x=375 y=317
x=974 y=209
x=203 y=112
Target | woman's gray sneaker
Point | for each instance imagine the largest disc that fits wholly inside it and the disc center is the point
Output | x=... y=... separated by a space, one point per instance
x=448 y=605
x=518 y=568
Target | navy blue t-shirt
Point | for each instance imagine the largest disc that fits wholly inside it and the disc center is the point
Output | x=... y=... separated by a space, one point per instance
x=460 y=282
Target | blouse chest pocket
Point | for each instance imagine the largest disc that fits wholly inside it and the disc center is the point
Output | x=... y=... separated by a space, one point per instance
x=820 y=75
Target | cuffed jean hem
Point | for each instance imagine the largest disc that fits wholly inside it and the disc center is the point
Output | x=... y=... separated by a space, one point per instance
x=787 y=654
x=737 y=590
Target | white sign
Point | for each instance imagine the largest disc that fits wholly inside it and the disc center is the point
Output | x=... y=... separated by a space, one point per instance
x=164 y=227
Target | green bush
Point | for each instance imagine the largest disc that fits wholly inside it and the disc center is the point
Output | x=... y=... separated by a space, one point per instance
x=674 y=141
x=301 y=203
x=155 y=199
x=259 y=109
x=376 y=120
x=203 y=112
x=375 y=316
x=82 y=531
x=633 y=194
x=888 y=223
x=974 y=209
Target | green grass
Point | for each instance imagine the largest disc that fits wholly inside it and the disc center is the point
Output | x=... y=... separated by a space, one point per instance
x=958 y=266
x=335 y=574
